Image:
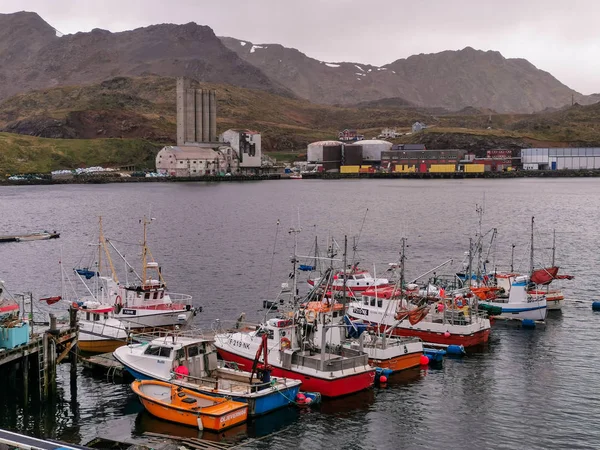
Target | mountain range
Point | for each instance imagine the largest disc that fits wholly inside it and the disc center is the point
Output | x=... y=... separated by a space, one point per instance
x=36 y=56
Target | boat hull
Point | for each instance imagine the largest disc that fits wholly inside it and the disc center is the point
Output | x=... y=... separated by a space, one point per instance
x=398 y=363
x=146 y=319
x=523 y=311
x=218 y=417
x=466 y=340
x=99 y=346
x=337 y=387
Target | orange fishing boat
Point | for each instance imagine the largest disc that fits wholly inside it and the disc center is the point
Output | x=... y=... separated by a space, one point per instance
x=176 y=404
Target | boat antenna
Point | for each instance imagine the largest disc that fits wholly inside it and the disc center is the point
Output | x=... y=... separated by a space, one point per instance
x=512 y=258
x=273 y=257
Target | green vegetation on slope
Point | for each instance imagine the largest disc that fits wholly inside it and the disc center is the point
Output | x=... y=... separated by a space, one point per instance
x=124 y=121
x=27 y=154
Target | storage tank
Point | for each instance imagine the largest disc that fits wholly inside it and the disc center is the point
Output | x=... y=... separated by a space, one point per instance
x=372 y=149
x=314 y=152
x=332 y=157
x=352 y=155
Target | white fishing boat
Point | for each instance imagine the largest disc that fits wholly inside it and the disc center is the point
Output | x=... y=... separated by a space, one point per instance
x=519 y=304
x=160 y=358
x=404 y=312
x=142 y=304
x=99 y=331
x=356 y=281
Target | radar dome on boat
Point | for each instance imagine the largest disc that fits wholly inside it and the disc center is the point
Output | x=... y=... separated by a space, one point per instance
x=152 y=264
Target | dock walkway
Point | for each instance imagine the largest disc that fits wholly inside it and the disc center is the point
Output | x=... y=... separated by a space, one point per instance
x=16 y=440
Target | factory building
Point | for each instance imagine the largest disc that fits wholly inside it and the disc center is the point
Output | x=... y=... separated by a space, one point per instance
x=560 y=158
x=420 y=160
x=199 y=151
x=247 y=146
x=194 y=161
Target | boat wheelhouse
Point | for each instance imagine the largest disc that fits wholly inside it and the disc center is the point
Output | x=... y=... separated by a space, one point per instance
x=327 y=368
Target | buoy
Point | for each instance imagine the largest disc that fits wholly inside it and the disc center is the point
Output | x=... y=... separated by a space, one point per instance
x=447 y=334
x=308 y=400
x=300 y=397
x=424 y=360
x=596 y=306
x=528 y=323
x=440 y=307
x=455 y=350
x=383 y=379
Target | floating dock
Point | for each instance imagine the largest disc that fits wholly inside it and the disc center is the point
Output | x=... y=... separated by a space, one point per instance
x=518 y=323
x=16 y=440
x=27 y=237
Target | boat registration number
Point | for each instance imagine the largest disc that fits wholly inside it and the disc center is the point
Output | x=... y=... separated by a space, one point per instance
x=233 y=415
x=129 y=312
x=361 y=311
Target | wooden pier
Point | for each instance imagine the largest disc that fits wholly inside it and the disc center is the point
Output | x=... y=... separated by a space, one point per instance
x=107 y=365
x=38 y=358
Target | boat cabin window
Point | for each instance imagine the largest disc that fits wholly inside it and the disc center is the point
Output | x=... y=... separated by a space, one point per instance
x=366 y=301
x=379 y=302
x=194 y=351
x=157 y=350
x=147 y=296
x=162 y=294
x=372 y=301
x=96 y=317
x=359 y=277
x=87 y=316
x=180 y=354
x=106 y=315
x=335 y=314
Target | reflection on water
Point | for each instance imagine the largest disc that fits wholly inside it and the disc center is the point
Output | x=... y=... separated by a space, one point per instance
x=525 y=389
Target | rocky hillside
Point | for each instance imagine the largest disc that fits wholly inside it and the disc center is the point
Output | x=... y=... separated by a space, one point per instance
x=35 y=56
x=450 y=79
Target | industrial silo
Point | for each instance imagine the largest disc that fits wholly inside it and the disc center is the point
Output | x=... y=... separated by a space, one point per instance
x=315 y=150
x=352 y=155
x=372 y=148
x=332 y=157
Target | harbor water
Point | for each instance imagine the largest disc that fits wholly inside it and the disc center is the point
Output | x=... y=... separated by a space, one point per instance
x=228 y=245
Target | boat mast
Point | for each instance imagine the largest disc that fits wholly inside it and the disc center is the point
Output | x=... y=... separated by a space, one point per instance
x=344 y=274
x=531 y=251
x=479 y=210
x=102 y=246
x=553 y=246
x=295 y=231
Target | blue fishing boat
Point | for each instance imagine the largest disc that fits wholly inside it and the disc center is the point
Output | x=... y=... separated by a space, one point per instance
x=191 y=362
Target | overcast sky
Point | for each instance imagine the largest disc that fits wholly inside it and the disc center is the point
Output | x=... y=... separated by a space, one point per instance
x=560 y=37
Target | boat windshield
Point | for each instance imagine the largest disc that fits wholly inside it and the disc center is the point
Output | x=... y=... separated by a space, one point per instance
x=157 y=350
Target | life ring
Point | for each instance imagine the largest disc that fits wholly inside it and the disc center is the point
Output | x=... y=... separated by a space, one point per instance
x=311 y=315
x=284 y=343
x=119 y=300
x=458 y=301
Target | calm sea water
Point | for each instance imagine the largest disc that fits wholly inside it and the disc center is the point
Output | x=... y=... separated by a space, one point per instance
x=222 y=244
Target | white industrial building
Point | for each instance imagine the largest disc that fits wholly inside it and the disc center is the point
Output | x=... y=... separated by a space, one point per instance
x=560 y=158
x=196 y=160
x=246 y=144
